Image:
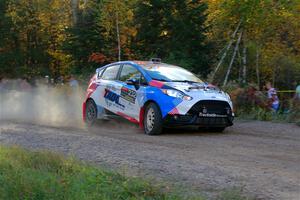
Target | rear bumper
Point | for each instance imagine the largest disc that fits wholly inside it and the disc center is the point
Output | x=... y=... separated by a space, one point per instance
x=201 y=121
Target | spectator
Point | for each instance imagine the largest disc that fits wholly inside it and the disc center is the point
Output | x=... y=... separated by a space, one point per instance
x=73 y=82
x=60 y=80
x=24 y=85
x=46 y=80
x=273 y=98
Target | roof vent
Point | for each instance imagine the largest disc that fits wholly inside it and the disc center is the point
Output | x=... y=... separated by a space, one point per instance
x=155 y=60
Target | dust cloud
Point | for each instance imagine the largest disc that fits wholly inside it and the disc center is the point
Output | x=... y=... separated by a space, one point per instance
x=47 y=105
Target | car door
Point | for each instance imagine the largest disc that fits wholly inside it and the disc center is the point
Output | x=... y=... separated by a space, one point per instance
x=108 y=89
x=131 y=94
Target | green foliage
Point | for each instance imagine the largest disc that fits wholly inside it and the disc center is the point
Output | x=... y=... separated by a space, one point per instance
x=31 y=33
x=93 y=39
x=84 y=38
x=118 y=13
x=270 y=30
x=46 y=175
x=294 y=112
x=250 y=103
x=255 y=113
x=173 y=31
x=41 y=37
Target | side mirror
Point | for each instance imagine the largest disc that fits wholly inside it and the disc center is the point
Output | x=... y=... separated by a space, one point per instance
x=133 y=82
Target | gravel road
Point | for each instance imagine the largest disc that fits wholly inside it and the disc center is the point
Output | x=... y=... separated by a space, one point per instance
x=262 y=158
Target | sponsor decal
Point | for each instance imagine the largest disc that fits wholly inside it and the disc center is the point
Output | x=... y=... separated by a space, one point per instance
x=113 y=99
x=111 y=88
x=128 y=94
x=155 y=83
x=128 y=117
x=174 y=111
x=211 y=115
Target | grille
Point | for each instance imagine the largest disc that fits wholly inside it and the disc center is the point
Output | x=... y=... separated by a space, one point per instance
x=212 y=107
x=213 y=121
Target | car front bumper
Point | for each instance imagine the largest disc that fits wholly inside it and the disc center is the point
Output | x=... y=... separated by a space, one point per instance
x=201 y=121
x=204 y=113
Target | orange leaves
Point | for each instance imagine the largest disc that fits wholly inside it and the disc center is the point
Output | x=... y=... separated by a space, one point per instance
x=97 y=57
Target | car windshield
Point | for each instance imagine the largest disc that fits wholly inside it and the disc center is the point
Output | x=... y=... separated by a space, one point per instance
x=164 y=72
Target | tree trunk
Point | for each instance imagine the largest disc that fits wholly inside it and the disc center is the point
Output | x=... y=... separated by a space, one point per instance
x=257 y=68
x=74 y=5
x=232 y=59
x=244 y=63
x=274 y=75
x=85 y=2
x=118 y=36
x=226 y=50
x=240 y=65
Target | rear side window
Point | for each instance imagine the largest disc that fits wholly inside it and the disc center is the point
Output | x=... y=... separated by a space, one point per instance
x=111 y=72
x=99 y=74
x=129 y=72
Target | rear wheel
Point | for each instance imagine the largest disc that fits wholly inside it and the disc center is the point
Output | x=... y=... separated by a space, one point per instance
x=90 y=112
x=152 y=120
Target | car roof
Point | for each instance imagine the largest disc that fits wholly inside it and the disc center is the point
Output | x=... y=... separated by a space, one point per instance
x=150 y=64
x=143 y=64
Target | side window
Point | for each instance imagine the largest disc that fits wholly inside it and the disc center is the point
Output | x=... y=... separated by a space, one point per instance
x=111 y=72
x=99 y=75
x=129 y=72
x=143 y=81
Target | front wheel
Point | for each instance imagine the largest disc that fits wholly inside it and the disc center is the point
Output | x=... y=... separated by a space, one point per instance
x=90 y=112
x=153 y=120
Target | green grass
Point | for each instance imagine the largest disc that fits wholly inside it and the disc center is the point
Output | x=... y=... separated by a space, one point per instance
x=257 y=113
x=45 y=175
x=232 y=194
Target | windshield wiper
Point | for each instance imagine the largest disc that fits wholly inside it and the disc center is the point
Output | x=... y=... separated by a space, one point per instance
x=160 y=79
x=184 y=81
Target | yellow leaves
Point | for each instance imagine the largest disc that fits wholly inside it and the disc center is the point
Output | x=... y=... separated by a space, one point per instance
x=82 y=5
x=273 y=26
x=164 y=33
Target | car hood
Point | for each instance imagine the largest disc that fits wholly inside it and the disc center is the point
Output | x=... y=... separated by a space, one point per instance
x=200 y=91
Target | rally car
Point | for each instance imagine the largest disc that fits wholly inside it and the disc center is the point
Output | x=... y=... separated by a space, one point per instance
x=154 y=95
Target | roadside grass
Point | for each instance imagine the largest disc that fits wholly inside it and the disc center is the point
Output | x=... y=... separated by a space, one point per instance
x=232 y=194
x=46 y=175
x=257 y=113
x=40 y=175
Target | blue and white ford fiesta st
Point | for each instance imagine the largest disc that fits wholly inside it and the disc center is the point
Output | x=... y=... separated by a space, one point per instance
x=153 y=95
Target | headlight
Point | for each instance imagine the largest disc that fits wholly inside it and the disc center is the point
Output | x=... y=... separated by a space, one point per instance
x=176 y=94
x=229 y=99
x=227 y=95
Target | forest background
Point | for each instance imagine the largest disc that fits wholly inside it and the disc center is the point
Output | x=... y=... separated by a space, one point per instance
x=223 y=41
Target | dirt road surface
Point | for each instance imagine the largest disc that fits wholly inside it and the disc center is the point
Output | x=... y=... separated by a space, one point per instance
x=262 y=158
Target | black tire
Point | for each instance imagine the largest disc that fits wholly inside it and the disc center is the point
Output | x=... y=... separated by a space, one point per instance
x=217 y=129
x=152 y=120
x=90 y=112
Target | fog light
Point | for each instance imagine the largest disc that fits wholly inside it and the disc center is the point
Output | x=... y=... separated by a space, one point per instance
x=228 y=111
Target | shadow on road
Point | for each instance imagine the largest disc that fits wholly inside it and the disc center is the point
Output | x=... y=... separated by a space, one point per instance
x=122 y=126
